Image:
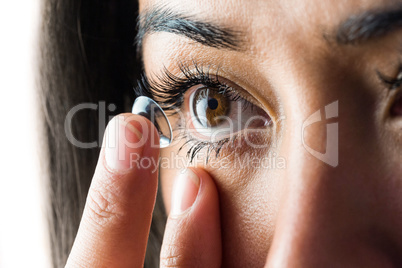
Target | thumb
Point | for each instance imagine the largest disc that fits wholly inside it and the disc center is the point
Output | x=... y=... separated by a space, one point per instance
x=193 y=235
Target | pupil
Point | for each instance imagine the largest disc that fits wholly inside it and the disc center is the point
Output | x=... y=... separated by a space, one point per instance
x=213 y=104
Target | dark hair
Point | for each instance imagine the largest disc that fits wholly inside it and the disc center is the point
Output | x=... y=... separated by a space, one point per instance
x=86 y=55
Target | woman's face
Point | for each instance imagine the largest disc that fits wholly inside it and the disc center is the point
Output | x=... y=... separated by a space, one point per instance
x=316 y=177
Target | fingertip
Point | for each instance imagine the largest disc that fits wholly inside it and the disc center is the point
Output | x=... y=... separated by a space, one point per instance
x=147 y=129
x=114 y=227
x=191 y=187
x=184 y=193
x=197 y=227
x=208 y=192
x=149 y=133
x=129 y=138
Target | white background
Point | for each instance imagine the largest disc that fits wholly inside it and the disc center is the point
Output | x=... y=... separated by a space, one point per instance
x=23 y=235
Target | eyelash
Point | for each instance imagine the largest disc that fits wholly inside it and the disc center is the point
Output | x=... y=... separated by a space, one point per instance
x=392 y=82
x=168 y=91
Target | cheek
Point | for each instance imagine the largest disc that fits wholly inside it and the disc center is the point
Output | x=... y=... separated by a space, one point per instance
x=248 y=208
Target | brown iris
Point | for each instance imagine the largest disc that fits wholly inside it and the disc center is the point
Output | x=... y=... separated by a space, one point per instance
x=210 y=106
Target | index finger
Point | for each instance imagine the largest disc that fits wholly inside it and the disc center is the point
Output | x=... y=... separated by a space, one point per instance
x=114 y=228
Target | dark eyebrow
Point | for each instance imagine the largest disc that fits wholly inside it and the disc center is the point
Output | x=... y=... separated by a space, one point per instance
x=368 y=25
x=166 y=20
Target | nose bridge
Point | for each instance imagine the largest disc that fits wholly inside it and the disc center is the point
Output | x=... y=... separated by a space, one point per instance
x=319 y=215
x=324 y=212
x=311 y=217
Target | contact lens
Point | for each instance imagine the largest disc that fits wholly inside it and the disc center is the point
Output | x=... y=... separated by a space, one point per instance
x=148 y=108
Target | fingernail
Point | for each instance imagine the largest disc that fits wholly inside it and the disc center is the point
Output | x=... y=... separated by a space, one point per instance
x=185 y=191
x=122 y=144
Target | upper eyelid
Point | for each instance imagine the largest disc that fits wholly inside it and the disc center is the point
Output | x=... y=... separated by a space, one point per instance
x=191 y=68
x=169 y=82
x=214 y=78
x=392 y=82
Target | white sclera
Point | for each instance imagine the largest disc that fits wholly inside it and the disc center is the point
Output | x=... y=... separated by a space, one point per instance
x=148 y=108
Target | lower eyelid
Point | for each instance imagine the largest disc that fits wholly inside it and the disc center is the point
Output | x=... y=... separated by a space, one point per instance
x=237 y=144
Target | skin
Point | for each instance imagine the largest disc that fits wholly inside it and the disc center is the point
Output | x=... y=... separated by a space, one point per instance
x=308 y=214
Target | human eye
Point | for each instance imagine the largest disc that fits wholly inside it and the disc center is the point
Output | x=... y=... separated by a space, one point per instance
x=394 y=84
x=219 y=111
x=211 y=111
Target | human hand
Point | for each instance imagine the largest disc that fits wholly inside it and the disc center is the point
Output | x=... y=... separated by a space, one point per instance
x=117 y=216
